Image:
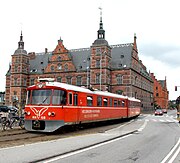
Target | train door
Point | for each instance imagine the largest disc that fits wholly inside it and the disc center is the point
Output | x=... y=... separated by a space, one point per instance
x=71 y=113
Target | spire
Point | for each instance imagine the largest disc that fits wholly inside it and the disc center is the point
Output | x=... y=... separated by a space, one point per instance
x=101 y=31
x=135 y=44
x=21 y=43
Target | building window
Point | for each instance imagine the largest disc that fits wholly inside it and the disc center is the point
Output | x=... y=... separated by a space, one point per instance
x=120 y=65
x=119 y=92
x=59 y=66
x=52 y=68
x=97 y=78
x=16 y=68
x=25 y=80
x=97 y=63
x=58 y=79
x=15 y=81
x=157 y=94
x=66 y=67
x=98 y=51
x=58 y=58
x=136 y=80
x=119 y=79
x=79 y=80
x=32 y=81
x=69 y=80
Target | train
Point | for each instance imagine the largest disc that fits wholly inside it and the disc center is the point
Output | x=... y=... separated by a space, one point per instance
x=50 y=105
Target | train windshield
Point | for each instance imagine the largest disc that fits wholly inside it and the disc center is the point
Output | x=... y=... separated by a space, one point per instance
x=41 y=96
x=46 y=97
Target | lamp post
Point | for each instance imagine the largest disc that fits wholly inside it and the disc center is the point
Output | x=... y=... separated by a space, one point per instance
x=100 y=70
x=87 y=71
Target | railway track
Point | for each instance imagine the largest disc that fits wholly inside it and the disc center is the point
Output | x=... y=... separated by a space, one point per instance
x=14 y=137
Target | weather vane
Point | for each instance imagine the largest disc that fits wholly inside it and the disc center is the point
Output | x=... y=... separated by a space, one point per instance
x=100 y=8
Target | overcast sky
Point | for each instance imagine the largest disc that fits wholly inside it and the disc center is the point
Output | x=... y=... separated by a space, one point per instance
x=155 y=22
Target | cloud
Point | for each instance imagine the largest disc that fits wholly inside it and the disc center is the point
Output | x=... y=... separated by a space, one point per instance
x=165 y=53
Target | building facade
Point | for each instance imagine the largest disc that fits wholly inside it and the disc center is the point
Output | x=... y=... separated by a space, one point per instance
x=161 y=94
x=114 y=68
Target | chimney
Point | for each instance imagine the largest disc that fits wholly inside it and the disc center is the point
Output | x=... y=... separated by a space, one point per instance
x=46 y=50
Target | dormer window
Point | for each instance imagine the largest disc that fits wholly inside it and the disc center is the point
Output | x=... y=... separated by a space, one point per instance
x=122 y=56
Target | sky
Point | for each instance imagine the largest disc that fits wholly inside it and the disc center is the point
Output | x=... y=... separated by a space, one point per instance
x=155 y=22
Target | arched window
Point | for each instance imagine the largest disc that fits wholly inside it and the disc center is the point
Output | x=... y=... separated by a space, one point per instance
x=52 y=68
x=58 y=58
x=66 y=67
x=79 y=80
x=59 y=66
x=119 y=79
x=97 y=78
x=59 y=79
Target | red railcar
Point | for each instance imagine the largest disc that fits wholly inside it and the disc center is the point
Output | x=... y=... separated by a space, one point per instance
x=51 y=105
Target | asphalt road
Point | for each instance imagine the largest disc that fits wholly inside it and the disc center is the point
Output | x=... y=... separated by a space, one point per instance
x=146 y=139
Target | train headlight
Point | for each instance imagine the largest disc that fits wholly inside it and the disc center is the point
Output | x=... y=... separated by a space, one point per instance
x=51 y=114
x=27 y=113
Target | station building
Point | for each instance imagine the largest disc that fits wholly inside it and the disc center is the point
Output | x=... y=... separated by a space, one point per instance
x=114 y=68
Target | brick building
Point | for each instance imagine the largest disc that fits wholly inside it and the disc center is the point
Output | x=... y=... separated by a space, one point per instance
x=115 y=68
x=161 y=94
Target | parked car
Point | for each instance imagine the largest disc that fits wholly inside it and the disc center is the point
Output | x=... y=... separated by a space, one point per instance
x=164 y=111
x=158 y=112
x=5 y=109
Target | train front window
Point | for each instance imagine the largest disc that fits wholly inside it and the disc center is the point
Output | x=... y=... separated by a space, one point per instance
x=41 y=97
x=59 y=97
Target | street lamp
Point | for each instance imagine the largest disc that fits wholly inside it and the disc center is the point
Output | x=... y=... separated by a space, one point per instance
x=87 y=71
x=100 y=70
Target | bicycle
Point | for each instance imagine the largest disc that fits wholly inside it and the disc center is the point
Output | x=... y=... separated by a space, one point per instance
x=12 y=122
x=17 y=121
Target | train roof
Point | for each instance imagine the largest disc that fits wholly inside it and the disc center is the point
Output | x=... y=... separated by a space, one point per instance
x=85 y=90
x=133 y=99
x=104 y=93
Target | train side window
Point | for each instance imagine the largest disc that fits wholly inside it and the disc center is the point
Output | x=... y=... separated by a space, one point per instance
x=75 y=99
x=119 y=103
x=89 y=100
x=105 y=102
x=123 y=103
x=70 y=98
x=111 y=101
x=115 y=103
x=99 y=101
